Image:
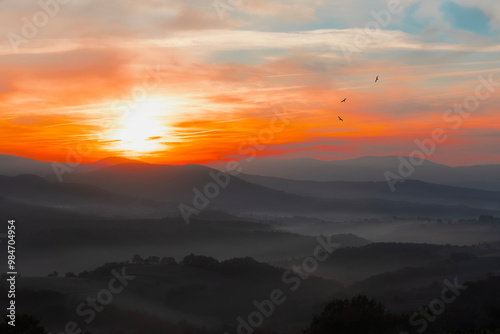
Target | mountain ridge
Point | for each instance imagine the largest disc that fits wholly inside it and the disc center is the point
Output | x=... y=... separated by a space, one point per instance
x=362 y=169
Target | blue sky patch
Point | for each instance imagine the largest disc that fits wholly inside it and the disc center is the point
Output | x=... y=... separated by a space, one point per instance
x=467 y=18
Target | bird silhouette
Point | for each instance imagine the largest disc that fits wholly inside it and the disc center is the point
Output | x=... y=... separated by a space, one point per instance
x=343 y=100
x=376 y=79
x=340 y=119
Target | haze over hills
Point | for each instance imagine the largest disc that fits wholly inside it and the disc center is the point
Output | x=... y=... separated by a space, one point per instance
x=108 y=179
x=11 y=165
x=176 y=184
x=364 y=169
x=116 y=208
x=184 y=183
x=250 y=167
x=353 y=264
x=372 y=168
x=33 y=190
x=103 y=163
x=369 y=168
x=410 y=190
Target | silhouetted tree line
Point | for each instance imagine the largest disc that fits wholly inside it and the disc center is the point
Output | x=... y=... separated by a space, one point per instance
x=476 y=311
x=25 y=324
x=137 y=259
x=359 y=315
x=53 y=274
x=105 y=270
x=229 y=266
x=489 y=219
x=137 y=322
x=246 y=266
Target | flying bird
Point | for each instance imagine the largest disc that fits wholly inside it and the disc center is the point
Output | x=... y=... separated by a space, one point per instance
x=376 y=79
x=340 y=119
x=343 y=100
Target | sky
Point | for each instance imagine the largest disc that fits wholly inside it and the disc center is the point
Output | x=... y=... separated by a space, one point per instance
x=197 y=81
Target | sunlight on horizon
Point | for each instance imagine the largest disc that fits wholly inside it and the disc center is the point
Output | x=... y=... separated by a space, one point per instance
x=143 y=129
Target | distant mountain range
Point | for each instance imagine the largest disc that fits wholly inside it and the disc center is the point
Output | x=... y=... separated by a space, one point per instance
x=410 y=190
x=11 y=165
x=364 y=169
x=116 y=185
x=371 y=168
x=32 y=192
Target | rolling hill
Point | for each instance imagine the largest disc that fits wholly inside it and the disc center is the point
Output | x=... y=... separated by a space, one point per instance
x=372 y=168
x=410 y=190
x=180 y=184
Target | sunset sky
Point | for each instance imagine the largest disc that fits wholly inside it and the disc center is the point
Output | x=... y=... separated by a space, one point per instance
x=169 y=81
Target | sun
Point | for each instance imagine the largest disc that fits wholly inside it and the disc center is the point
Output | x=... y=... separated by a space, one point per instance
x=141 y=131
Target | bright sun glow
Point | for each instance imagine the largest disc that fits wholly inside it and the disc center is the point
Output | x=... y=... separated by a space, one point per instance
x=141 y=131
